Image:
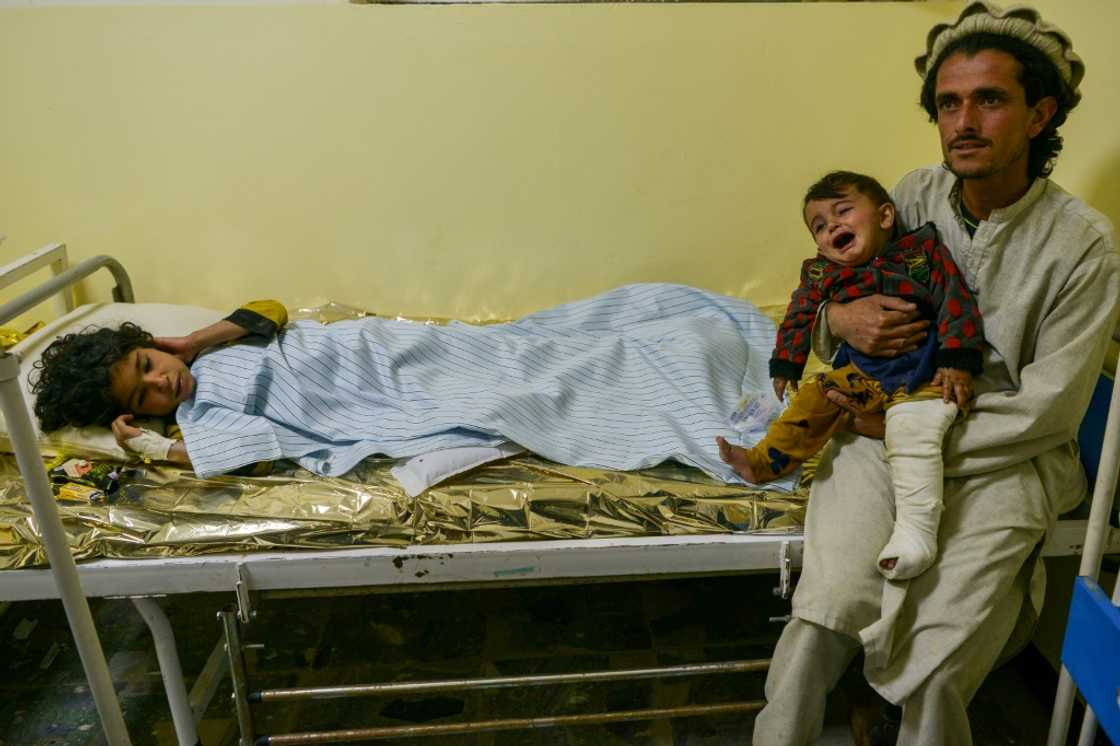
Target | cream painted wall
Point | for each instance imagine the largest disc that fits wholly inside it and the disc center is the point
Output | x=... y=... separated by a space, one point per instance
x=472 y=160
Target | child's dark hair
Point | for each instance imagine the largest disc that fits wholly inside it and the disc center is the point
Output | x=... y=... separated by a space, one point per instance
x=72 y=387
x=837 y=183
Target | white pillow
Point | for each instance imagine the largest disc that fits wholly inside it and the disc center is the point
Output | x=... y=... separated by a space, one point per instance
x=160 y=319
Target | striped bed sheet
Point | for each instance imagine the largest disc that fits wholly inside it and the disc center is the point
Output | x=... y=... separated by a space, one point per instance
x=635 y=376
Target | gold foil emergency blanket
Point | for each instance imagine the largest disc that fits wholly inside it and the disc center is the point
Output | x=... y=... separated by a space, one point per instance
x=166 y=512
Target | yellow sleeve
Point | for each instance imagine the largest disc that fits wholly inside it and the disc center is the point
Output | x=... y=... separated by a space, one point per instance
x=260 y=317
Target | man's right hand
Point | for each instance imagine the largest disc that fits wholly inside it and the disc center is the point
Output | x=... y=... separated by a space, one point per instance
x=878 y=325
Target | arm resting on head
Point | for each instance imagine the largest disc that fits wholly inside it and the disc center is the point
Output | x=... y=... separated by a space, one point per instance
x=259 y=318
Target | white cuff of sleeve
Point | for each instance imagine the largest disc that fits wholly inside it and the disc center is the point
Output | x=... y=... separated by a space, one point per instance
x=150 y=446
x=825 y=346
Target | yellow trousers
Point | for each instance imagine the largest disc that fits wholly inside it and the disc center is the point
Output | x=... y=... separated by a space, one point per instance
x=811 y=419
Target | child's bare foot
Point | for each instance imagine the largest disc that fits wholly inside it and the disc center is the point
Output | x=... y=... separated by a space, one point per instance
x=736 y=457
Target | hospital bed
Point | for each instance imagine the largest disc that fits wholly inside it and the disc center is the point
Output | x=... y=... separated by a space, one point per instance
x=250 y=576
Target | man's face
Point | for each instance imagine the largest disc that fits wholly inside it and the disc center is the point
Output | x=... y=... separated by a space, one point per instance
x=148 y=381
x=982 y=115
x=849 y=230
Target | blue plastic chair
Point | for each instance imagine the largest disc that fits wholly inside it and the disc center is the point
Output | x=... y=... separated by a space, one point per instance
x=1091 y=650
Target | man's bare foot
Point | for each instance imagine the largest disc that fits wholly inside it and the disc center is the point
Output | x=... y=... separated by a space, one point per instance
x=736 y=457
x=888 y=563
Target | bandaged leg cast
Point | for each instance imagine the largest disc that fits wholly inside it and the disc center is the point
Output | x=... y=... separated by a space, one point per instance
x=915 y=434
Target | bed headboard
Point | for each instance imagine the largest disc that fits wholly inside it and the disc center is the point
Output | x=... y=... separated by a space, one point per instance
x=55 y=257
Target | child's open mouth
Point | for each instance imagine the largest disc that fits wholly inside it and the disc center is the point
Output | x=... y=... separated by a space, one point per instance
x=843 y=240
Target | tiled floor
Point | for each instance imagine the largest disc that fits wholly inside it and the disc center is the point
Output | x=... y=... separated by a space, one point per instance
x=445 y=634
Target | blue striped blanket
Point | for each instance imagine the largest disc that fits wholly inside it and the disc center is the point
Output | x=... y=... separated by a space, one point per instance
x=624 y=380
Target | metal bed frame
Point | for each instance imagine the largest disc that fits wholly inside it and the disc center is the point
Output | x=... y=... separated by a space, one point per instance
x=264 y=574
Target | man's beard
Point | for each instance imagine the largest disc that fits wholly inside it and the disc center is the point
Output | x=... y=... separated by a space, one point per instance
x=981 y=174
x=985 y=170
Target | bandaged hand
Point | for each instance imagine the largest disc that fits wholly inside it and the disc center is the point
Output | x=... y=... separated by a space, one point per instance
x=149 y=445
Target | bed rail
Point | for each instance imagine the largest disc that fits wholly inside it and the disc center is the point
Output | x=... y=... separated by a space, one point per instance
x=21 y=432
x=54 y=255
x=65 y=572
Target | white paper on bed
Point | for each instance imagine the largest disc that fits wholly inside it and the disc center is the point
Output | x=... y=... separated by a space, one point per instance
x=160 y=319
x=421 y=472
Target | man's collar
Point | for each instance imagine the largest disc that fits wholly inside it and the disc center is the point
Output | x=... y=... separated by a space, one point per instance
x=1002 y=214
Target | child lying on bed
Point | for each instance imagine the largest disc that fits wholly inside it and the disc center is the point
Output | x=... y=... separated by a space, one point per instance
x=111 y=376
x=625 y=380
x=851 y=218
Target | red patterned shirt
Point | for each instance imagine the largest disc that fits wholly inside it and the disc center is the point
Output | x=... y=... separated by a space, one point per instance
x=918 y=268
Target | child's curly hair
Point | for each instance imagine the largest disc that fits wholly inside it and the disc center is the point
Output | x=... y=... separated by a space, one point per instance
x=72 y=387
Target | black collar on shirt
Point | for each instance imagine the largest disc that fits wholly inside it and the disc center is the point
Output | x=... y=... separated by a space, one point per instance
x=971 y=222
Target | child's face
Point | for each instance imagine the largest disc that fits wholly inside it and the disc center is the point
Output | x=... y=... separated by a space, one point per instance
x=148 y=381
x=849 y=230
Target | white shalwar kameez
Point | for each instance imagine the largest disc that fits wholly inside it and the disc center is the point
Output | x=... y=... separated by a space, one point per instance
x=1047 y=279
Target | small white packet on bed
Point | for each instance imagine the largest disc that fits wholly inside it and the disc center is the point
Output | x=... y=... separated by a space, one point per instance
x=754 y=414
x=421 y=472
